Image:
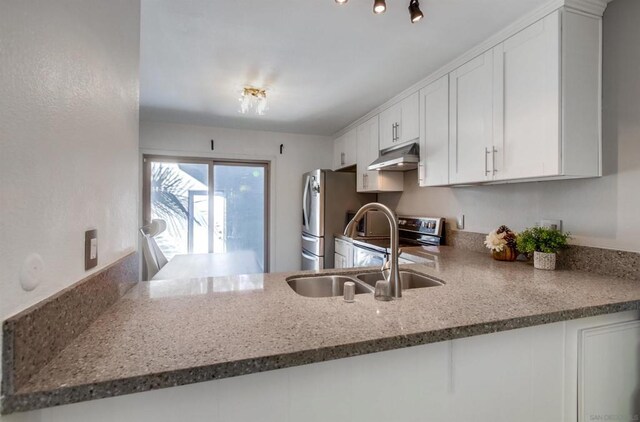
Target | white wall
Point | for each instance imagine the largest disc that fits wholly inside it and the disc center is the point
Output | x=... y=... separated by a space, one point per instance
x=301 y=154
x=68 y=136
x=602 y=212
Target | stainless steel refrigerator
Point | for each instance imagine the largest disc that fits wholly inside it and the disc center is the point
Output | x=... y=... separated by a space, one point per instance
x=326 y=198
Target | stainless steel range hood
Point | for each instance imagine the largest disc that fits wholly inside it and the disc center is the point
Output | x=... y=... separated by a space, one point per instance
x=402 y=158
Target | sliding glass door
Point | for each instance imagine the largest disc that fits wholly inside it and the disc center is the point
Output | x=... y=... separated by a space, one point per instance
x=210 y=206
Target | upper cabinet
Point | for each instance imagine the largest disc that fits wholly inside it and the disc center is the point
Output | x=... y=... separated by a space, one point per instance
x=368 y=149
x=345 y=150
x=527 y=108
x=471 y=121
x=400 y=122
x=433 y=168
x=547 y=100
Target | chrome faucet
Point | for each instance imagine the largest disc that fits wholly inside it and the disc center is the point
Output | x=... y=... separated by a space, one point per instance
x=393 y=289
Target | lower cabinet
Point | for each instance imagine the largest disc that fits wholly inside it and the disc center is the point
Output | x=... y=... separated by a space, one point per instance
x=609 y=372
x=343 y=256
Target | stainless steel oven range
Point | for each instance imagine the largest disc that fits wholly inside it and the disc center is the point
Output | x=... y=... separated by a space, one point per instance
x=413 y=231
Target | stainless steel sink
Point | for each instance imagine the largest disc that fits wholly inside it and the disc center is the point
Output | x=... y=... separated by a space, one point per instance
x=325 y=286
x=408 y=280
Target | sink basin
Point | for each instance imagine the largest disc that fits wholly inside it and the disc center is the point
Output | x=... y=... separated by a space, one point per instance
x=325 y=286
x=408 y=279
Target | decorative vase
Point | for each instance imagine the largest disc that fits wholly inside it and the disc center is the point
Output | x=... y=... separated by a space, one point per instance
x=507 y=254
x=544 y=261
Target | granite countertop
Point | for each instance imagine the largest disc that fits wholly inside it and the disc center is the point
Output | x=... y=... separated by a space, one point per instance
x=175 y=332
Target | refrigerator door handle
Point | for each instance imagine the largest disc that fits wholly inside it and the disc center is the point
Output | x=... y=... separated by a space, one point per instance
x=310 y=257
x=310 y=239
x=305 y=215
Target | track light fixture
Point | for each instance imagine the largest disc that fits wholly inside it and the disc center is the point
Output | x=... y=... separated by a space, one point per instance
x=414 y=11
x=380 y=6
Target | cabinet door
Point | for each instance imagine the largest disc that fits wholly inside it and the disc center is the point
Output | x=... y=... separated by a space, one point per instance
x=527 y=106
x=368 y=150
x=338 y=261
x=338 y=153
x=367 y=137
x=609 y=371
x=471 y=120
x=389 y=122
x=433 y=169
x=350 y=148
x=409 y=127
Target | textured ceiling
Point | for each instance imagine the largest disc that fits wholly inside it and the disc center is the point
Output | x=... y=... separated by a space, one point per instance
x=323 y=65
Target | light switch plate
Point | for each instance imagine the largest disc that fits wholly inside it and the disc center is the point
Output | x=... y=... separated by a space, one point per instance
x=460 y=222
x=90 y=249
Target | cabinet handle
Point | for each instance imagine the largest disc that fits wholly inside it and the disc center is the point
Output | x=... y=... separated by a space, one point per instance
x=486 y=164
x=495 y=150
x=398 y=131
x=342 y=158
x=393 y=132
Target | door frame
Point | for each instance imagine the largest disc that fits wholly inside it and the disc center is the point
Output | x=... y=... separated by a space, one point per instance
x=211 y=162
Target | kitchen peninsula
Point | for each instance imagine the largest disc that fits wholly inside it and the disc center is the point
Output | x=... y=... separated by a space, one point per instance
x=252 y=323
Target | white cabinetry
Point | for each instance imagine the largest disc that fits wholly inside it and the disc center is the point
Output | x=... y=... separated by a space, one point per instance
x=343 y=256
x=400 y=123
x=433 y=168
x=529 y=109
x=345 y=150
x=527 y=106
x=471 y=121
x=373 y=181
x=609 y=372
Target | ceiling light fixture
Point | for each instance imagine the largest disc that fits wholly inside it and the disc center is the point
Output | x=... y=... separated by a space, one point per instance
x=253 y=98
x=414 y=10
x=379 y=6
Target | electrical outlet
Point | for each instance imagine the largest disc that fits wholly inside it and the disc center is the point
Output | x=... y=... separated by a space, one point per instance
x=551 y=224
x=90 y=249
x=460 y=222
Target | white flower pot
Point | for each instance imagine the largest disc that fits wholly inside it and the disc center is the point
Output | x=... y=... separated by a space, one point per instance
x=544 y=261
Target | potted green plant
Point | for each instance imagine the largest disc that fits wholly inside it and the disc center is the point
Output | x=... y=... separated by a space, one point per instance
x=543 y=243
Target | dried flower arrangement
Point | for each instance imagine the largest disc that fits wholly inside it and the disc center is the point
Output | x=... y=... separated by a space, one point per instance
x=503 y=244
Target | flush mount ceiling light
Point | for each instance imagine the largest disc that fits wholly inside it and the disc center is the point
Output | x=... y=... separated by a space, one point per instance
x=380 y=6
x=253 y=98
